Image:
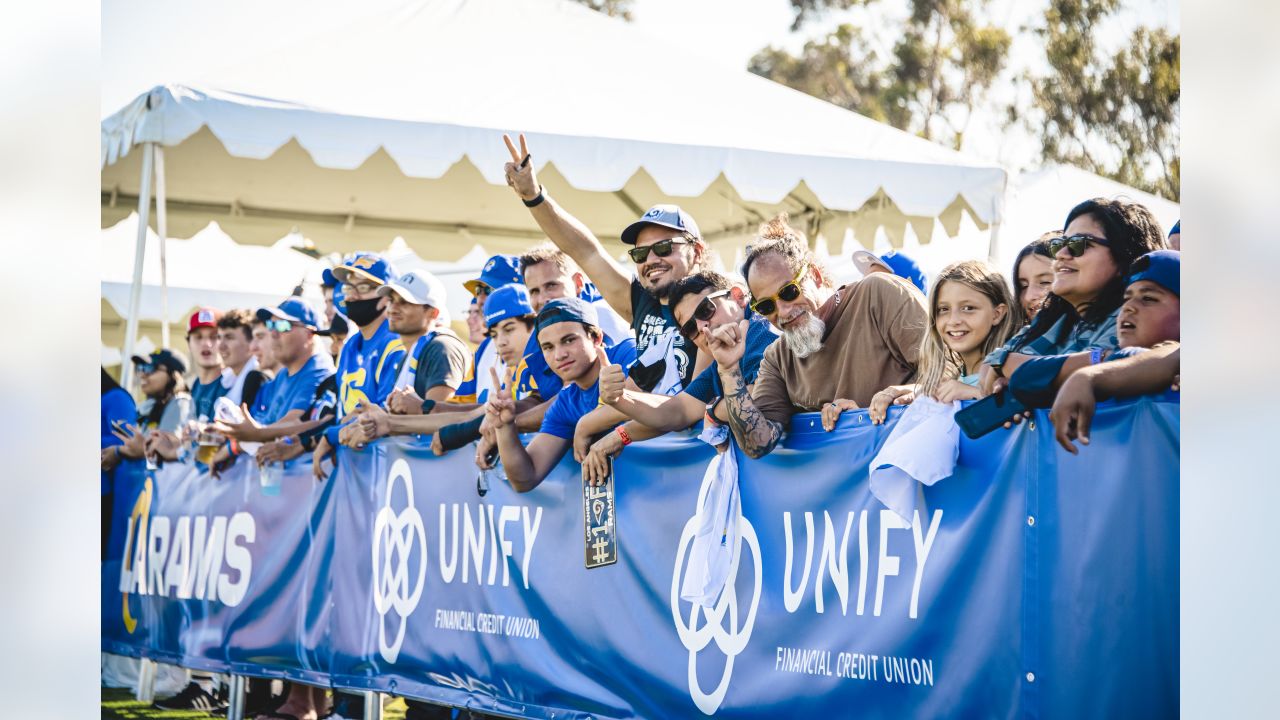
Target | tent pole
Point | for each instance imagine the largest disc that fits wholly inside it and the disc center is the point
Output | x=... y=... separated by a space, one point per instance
x=163 y=231
x=993 y=249
x=135 y=290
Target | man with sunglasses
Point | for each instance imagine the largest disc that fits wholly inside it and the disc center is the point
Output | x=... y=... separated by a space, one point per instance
x=837 y=344
x=667 y=246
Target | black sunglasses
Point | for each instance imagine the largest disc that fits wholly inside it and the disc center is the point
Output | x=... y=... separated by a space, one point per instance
x=703 y=312
x=1076 y=244
x=769 y=305
x=662 y=248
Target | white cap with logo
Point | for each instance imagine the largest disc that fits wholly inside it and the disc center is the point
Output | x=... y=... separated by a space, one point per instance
x=418 y=287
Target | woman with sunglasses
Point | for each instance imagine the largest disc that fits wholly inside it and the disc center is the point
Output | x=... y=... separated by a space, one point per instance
x=168 y=407
x=1100 y=240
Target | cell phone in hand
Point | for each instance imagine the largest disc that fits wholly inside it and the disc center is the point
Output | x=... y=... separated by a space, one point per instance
x=989 y=413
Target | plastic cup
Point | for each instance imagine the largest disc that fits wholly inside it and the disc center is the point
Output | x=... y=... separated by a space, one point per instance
x=269 y=478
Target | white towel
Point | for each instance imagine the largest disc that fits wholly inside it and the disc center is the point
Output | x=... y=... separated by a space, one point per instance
x=715 y=543
x=921 y=450
x=235 y=383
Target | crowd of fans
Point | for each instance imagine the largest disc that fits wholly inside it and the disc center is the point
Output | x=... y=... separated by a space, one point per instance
x=577 y=352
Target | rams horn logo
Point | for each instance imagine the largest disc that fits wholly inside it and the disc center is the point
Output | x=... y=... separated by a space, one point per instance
x=489 y=265
x=654 y=212
x=364 y=262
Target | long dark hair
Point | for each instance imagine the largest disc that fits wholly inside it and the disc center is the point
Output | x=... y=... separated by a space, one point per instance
x=109 y=383
x=1039 y=246
x=174 y=385
x=1131 y=231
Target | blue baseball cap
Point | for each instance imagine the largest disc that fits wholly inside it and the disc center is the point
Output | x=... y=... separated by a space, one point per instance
x=570 y=309
x=293 y=309
x=1177 y=229
x=365 y=266
x=905 y=267
x=498 y=271
x=1162 y=267
x=668 y=216
x=327 y=279
x=508 y=301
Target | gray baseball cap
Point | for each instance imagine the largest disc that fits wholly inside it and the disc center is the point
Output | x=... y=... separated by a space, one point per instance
x=669 y=216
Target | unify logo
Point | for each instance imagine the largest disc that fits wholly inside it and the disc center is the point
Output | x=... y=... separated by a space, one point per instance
x=731 y=638
x=397 y=585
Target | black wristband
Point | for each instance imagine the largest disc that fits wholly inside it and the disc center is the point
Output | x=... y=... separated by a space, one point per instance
x=536 y=201
x=456 y=435
x=427 y=406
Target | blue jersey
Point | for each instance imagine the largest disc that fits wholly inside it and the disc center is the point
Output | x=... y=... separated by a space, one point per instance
x=467 y=391
x=366 y=371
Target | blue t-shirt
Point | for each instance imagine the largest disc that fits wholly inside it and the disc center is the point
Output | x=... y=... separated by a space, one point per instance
x=117 y=405
x=535 y=375
x=760 y=335
x=289 y=392
x=204 y=395
x=572 y=402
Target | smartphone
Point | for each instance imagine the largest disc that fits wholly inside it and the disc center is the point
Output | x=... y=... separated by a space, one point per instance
x=989 y=413
x=120 y=426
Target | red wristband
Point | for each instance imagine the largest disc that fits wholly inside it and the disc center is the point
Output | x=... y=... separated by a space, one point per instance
x=622 y=433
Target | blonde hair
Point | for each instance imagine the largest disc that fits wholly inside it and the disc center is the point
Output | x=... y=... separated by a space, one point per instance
x=938 y=362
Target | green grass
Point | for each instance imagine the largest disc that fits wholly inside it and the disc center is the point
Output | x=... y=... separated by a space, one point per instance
x=119 y=704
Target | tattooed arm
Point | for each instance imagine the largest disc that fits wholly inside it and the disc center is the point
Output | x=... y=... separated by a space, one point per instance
x=756 y=434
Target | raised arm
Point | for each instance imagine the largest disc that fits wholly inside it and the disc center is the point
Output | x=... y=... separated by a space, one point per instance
x=568 y=233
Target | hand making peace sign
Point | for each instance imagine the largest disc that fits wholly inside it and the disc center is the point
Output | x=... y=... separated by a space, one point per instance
x=520 y=171
x=501 y=408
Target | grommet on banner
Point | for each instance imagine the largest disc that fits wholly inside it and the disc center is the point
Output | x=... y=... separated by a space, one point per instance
x=1031 y=677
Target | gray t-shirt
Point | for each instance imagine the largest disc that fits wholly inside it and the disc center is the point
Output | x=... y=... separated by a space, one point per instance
x=442 y=361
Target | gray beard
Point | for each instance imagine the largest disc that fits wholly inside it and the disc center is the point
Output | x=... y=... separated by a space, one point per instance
x=806 y=339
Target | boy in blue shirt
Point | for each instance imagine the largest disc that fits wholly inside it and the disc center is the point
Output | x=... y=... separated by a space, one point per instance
x=573 y=344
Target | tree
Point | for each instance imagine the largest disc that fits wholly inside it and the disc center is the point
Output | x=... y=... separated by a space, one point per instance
x=1115 y=116
x=612 y=8
x=939 y=70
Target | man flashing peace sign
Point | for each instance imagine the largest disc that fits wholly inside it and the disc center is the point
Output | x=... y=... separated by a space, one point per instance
x=667 y=248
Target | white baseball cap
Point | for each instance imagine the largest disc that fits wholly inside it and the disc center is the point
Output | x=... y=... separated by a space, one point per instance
x=418 y=287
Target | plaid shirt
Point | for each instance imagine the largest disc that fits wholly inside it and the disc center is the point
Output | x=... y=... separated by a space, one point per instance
x=1082 y=336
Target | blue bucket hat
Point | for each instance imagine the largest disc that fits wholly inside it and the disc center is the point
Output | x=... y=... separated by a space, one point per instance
x=508 y=301
x=498 y=271
x=293 y=309
x=668 y=216
x=905 y=267
x=365 y=266
x=570 y=309
x=1162 y=267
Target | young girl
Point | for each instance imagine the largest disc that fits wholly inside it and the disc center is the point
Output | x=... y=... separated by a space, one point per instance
x=970 y=314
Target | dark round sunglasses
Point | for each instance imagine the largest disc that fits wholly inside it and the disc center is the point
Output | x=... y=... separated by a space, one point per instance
x=1076 y=244
x=703 y=312
x=662 y=248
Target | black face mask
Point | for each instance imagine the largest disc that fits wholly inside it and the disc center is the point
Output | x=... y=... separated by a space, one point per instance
x=363 y=312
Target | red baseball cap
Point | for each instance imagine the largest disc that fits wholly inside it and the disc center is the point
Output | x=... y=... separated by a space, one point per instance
x=204 y=317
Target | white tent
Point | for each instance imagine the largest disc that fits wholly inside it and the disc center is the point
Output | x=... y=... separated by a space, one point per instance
x=392 y=127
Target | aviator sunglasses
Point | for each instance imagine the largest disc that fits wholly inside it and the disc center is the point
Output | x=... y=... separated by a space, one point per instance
x=1076 y=244
x=769 y=305
x=662 y=248
x=703 y=312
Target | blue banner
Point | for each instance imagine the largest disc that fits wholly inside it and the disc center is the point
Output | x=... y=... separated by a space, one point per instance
x=1030 y=582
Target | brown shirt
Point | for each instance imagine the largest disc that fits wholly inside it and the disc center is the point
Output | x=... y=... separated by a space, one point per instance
x=874 y=330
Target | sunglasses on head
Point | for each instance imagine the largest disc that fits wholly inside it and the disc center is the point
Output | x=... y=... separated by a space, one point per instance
x=769 y=305
x=662 y=248
x=1076 y=244
x=280 y=326
x=703 y=312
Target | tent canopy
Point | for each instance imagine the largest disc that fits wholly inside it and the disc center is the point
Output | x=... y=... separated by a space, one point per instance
x=392 y=127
